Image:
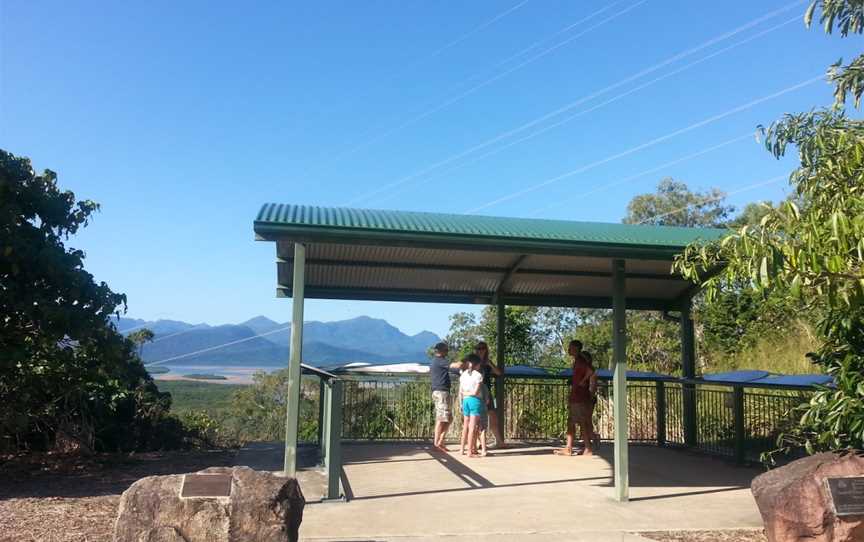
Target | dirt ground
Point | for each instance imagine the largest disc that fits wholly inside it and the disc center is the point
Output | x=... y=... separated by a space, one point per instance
x=61 y=499
x=50 y=498
x=707 y=536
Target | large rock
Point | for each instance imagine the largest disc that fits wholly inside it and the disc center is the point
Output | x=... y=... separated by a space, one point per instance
x=795 y=503
x=262 y=506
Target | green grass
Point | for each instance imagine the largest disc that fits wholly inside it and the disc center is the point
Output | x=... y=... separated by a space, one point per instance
x=186 y=396
x=783 y=355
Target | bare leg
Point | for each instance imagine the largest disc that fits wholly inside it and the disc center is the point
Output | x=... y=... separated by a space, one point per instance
x=472 y=436
x=587 y=436
x=496 y=429
x=567 y=450
x=483 y=443
x=464 y=442
x=440 y=432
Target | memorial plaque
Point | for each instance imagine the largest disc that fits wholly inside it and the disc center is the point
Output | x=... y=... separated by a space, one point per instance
x=206 y=485
x=847 y=494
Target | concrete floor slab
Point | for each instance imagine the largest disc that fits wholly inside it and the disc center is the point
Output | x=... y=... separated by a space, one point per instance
x=409 y=492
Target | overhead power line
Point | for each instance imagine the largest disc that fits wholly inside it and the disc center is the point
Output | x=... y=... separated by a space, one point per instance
x=661 y=167
x=645 y=145
x=486 y=82
x=217 y=347
x=475 y=30
x=585 y=99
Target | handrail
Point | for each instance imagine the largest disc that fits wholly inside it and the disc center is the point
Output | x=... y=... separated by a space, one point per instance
x=637 y=378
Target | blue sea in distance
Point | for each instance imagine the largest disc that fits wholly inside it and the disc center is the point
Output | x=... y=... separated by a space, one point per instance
x=239 y=375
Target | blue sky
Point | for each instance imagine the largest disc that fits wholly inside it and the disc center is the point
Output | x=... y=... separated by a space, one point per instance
x=182 y=118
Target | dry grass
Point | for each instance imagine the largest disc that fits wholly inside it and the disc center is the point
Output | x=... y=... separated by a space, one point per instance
x=53 y=498
x=738 y=535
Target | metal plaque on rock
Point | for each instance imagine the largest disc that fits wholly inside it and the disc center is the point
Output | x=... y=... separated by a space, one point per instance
x=206 y=485
x=847 y=494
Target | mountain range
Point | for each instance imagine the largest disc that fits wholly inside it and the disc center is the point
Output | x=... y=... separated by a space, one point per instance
x=261 y=341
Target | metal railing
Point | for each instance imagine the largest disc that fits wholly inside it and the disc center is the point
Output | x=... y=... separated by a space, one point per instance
x=738 y=421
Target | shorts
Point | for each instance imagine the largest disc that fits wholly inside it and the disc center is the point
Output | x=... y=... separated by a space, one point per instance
x=443 y=408
x=580 y=413
x=473 y=406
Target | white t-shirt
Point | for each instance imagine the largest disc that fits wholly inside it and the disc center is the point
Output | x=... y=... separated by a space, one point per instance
x=468 y=381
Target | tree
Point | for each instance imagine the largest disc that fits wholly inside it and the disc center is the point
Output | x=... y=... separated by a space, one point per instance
x=814 y=252
x=675 y=205
x=67 y=378
x=139 y=337
x=847 y=16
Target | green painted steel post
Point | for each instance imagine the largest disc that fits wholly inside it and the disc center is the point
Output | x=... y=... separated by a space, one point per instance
x=619 y=381
x=328 y=406
x=500 y=350
x=740 y=429
x=334 y=439
x=292 y=406
x=688 y=369
x=660 y=390
x=321 y=423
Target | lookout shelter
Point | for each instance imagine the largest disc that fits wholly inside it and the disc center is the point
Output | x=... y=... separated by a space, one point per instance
x=382 y=255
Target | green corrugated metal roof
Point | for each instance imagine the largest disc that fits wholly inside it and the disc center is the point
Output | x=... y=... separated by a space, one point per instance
x=275 y=217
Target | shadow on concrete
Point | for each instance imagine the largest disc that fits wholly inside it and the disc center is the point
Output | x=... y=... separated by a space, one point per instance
x=476 y=488
x=650 y=467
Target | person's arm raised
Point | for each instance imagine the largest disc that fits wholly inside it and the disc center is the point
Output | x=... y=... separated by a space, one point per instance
x=497 y=371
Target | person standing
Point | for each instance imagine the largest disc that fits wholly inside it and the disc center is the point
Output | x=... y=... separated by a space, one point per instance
x=473 y=407
x=489 y=369
x=581 y=405
x=439 y=371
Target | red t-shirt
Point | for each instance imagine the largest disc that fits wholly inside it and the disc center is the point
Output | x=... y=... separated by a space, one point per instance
x=580 y=393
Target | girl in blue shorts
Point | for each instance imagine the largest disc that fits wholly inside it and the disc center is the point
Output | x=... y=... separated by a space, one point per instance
x=473 y=407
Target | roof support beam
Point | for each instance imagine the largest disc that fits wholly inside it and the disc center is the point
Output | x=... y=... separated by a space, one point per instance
x=475 y=298
x=507 y=279
x=511 y=272
x=292 y=402
x=619 y=382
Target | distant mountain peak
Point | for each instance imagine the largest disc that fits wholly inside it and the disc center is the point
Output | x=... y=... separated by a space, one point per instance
x=256 y=320
x=261 y=324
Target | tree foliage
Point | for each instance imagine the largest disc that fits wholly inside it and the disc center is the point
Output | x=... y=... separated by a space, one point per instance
x=847 y=16
x=67 y=378
x=674 y=204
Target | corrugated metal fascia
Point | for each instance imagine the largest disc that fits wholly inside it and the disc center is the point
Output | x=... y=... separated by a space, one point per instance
x=334 y=219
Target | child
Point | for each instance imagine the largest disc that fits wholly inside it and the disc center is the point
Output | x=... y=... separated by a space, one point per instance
x=470 y=382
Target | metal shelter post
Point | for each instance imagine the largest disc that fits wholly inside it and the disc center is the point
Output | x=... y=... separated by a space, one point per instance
x=688 y=370
x=619 y=380
x=292 y=407
x=500 y=347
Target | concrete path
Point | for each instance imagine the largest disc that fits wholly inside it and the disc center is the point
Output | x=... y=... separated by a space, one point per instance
x=408 y=492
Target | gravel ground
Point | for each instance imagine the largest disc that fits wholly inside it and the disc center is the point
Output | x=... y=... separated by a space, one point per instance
x=52 y=498
x=707 y=536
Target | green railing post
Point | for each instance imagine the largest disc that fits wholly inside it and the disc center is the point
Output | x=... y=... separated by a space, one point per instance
x=321 y=417
x=326 y=400
x=740 y=429
x=292 y=402
x=334 y=440
x=661 y=412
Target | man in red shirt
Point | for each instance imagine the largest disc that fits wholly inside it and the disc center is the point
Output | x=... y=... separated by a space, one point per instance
x=581 y=402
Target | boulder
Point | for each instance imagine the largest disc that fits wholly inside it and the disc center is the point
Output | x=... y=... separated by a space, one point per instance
x=796 y=505
x=261 y=506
